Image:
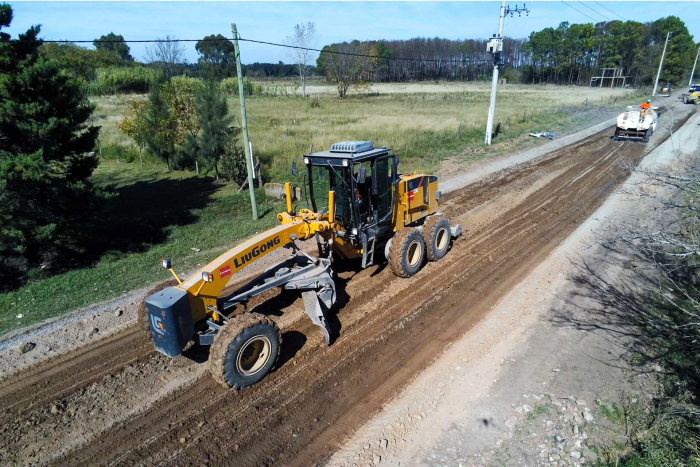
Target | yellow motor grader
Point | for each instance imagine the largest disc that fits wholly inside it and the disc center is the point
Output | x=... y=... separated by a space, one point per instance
x=355 y=204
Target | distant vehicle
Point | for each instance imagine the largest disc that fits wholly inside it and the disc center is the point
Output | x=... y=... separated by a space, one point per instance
x=666 y=89
x=631 y=126
x=691 y=97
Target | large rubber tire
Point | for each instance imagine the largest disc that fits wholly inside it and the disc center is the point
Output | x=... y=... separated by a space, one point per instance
x=437 y=236
x=142 y=314
x=245 y=350
x=406 y=252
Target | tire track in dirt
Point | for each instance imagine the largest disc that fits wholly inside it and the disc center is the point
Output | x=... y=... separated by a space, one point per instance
x=70 y=371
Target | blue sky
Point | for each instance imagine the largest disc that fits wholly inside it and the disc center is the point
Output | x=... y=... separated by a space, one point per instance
x=335 y=21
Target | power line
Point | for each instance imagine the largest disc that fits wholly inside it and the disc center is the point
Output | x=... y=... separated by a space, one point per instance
x=594 y=11
x=336 y=52
x=611 y=11
x=584 y=14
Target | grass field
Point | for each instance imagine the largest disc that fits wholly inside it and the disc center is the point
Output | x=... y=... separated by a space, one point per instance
x=156 y=213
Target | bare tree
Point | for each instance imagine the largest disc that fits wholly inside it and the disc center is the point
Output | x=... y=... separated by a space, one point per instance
x=166 y=54
x=305 y=37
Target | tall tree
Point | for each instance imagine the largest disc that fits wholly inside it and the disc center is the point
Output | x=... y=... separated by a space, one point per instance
x=162 y=129
x=681 y=48
x=166 y=54
x=383 y=57
x=216 y=56
x=343 y=65
x=133 y=124
x=45 y=155
x=79 y=61
x=304 y=37
x=114 y=43
x=180 y=94
x=215 y=122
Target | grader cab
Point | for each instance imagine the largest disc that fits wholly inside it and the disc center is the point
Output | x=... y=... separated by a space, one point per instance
x=356 y=205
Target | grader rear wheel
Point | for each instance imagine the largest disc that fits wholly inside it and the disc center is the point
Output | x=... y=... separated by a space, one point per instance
x=142 y=314
x=437 y=236
x=245 y=350
x=406 y=252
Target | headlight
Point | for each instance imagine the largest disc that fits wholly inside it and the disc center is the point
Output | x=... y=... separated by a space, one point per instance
x=345 y=163
x=354 y=231
x=306 y=160
x=207 y=277
x=166 y=263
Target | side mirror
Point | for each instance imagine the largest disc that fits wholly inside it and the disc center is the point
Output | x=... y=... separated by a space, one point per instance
x=362 y=175
x=294 y=168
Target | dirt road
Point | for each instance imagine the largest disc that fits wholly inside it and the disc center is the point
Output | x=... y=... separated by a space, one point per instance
x=117 y=402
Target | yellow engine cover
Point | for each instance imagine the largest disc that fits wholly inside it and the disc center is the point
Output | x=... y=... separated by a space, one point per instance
x=415 y=199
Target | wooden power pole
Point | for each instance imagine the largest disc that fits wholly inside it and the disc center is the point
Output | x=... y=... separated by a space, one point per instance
x=244 y=124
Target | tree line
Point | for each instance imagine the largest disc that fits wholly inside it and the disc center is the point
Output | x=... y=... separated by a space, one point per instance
x=567 y=54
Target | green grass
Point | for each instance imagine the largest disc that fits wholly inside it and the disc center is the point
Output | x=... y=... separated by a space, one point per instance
x=420 y=128
x=156 y=213
x=176 y=210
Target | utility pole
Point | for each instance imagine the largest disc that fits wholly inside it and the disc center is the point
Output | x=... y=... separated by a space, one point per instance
x=244 y=123
x=690 y=83
x=495 y=47
x=661 y=63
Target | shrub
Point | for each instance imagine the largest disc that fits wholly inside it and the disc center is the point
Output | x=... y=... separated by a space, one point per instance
x=230 y=86
x=114 y=80
x=232 y=162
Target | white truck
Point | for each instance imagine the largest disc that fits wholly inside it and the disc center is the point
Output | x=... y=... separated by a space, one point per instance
x=631 y=126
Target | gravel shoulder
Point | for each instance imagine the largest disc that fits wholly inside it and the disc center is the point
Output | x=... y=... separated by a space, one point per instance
x=529 y=384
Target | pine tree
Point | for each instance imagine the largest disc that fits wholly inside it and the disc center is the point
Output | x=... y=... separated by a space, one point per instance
x=45 y=155
x=162 y=131
x=215 y=122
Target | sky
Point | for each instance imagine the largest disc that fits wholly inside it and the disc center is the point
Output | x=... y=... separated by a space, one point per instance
x=335 y=21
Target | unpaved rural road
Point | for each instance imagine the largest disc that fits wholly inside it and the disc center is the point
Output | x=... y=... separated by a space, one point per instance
x=118 y=402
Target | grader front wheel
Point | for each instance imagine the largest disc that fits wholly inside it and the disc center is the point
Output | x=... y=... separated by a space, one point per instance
x=406 y=252
x=245 y=350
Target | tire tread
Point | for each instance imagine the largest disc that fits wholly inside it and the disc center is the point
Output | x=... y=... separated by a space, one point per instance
x=227 y=334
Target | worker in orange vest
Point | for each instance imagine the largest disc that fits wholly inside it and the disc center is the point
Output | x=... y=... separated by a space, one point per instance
x=645 y=107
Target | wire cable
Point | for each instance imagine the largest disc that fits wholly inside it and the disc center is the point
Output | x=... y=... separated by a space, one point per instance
x=594 y=11
x=584 y=14
x=611 y=11
x=336 y=52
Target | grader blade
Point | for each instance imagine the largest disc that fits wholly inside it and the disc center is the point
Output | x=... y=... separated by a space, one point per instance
x=315 y=312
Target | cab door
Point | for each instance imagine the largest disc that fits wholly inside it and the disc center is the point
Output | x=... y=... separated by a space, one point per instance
x=383 y=182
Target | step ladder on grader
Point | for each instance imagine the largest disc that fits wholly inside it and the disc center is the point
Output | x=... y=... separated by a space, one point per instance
x=356 y=204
